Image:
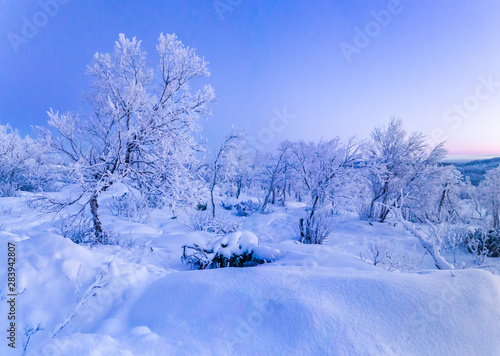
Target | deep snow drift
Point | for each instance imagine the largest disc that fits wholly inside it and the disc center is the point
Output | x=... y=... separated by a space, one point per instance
x=137 y=298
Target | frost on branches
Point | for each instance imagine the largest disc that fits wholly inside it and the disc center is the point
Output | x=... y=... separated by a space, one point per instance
x=226 y=162
x=23 y=163
x=139 y=128
x=397 y=161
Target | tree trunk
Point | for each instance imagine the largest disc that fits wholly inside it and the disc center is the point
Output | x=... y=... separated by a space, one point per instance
x=441 y=203
x=496 y=216
x=383 y=214
x=212 y=200
x=268 y=195
x=100 y=237
x=239 y=185
x=284 y=194
x=313 y=208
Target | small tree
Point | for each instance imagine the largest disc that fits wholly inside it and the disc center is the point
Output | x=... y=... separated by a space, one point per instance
x=490 y=196
x=320 y=168
x=135 y=125
x=224 y=161
x=272 y=171
x=23 y=165
x=241 y=169
x=397 y=161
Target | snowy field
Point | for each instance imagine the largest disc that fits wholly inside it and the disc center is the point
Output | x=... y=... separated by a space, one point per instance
x=125 y=232
x=135 y=297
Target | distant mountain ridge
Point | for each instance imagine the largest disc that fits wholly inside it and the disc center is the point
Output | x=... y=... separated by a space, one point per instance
x=475 y=169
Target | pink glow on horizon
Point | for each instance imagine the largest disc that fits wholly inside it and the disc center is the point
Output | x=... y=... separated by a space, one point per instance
x=474 y=151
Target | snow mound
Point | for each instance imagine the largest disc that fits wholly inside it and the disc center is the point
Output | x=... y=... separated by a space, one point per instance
x=274 y=310
x=236 y=249
x=240 y=242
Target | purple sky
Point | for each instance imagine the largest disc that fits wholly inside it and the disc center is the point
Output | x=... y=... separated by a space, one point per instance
x=281 y=69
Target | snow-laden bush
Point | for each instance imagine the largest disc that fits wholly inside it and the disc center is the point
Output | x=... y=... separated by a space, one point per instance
x=201 y=207
x=247 y=208
x=315 y=229
x=364 y=212
x=202 y=221
x=266 y=210
x=237 y=249
x=78 y=229
x=454 y=236
x=392 y=259
x=377 y=251
x=130 y=205
x=483 y=244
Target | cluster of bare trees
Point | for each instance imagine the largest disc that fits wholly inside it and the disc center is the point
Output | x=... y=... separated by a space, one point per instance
x=138 y=132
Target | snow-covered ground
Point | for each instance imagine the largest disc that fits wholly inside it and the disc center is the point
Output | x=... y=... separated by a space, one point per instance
x=137 y=298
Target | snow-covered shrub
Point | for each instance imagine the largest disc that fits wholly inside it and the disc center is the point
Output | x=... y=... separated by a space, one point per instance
x=247 y=208
x=454 y=236
x=202 y=221
x=237 y=249
x=201 y=207
x=79 y=231
x=482 y=244
x=227 y=206
x=128 y=205
x=315 y=229
x=399 y=259
x=267 y=210
x=475 y=246
x=392 y=259
x=125 y=241
x=377 y=250
x=364 y=212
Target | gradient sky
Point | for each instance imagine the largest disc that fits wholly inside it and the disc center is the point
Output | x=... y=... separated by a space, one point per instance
x=435 y=64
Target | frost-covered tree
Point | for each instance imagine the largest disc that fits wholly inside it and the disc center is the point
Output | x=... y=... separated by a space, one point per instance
x=272 y=167
x=397 y=161
x=322 y=168
x=490 y=196
x=137 y=125
x=241 y=169
x=435 y=195
x=473 y=193
x=224 y=162
x=23 y=162
x=179 y=181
